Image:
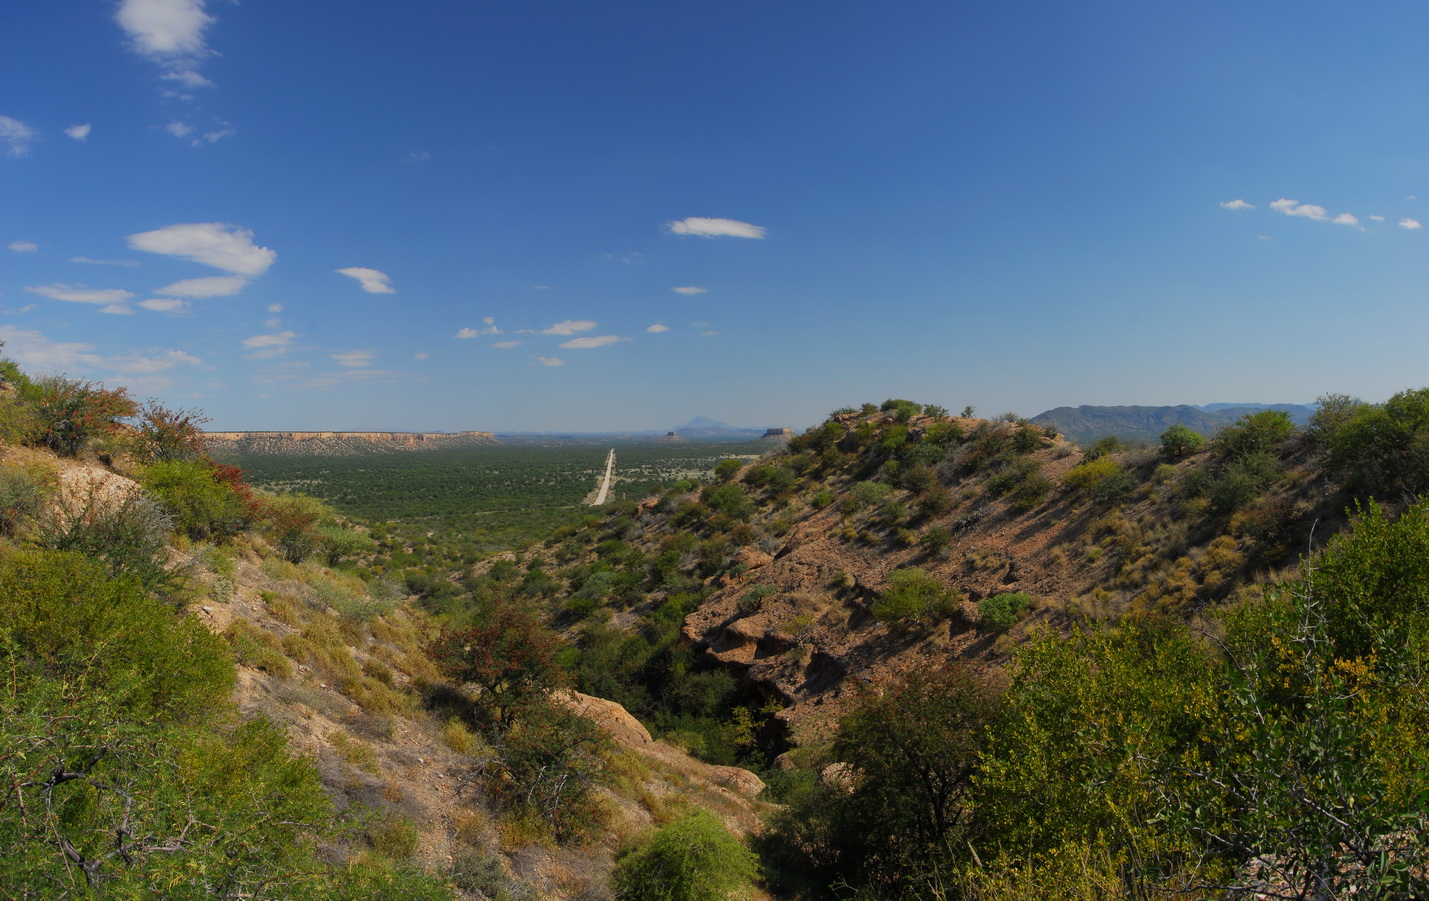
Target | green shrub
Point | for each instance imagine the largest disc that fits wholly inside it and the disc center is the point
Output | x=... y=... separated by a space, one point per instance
x=753 y=599
x=203 y=507
x=1102 y=480
x=913 y=597
x=1180 y=441
x=162 y=434
x=1261 y=432
x=127 y=532
x=727 y=469
x=1001 y=612
x=692 y=859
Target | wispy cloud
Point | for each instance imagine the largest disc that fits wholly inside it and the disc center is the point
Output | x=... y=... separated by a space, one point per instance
x=265 y=347
x=550 y=361
x=371 y=280
x=592 y=341
x=690 y=290
x=118 y=309
x=170 y=305
x=1296 y=208
x=215 y=244
x=354 y=358
x=570 y=327
x=1410 y=224
x=1374 y=218
x=36 y=352
x=80 y=293
x=714 y=228
x=275 y=308
x=708 y=334
x=1346 y=219
x=93 y=262
x=24 y=246
x=212 y=286
x=170 y=33
x=179 y=129
x=506 y=345
x=78 y=132
x=488 y=328
x=16 y=136
x=419 y=156
x=658 y=327
x=1236 y=204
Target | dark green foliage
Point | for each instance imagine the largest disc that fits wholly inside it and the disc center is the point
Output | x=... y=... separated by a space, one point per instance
x=936 y=541
x=1102 y=480
x=1254 y=433
x=692 y=859
x=753 y=599
x=1180 y=441
x=1104 y=446
x=728 y=499
x=726 y=470
x=1377 y=449
x=1001 y=612
x=1241 y=481
x=913 y=599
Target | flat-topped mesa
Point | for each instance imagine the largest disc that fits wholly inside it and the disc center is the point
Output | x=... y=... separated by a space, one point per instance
x=778 y=433
x=341 y=443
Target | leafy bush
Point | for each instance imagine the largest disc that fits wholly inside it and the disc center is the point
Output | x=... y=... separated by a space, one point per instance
x=753 y=599
x=203 y=506
x=1102 y=480
x=1001 y=612
x=1377 y=448
x=509 y=654
x=162 y=434
x=725 y=470
x=913 y=597
x=126 y=531
x=1180 y=441
x=69 y=413
x=692 y=859
x=1261 y=432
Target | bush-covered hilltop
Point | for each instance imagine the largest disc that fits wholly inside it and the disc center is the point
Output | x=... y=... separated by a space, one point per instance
x=977 y=660
x=952 y=658
x=214 y=692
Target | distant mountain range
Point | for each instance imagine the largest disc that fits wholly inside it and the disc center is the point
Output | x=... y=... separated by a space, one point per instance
x=1088 y=423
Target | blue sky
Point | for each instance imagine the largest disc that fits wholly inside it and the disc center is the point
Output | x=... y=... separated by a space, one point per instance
x=562 y=215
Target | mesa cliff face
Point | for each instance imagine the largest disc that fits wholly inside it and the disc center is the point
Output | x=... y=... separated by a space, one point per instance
x=315 y=444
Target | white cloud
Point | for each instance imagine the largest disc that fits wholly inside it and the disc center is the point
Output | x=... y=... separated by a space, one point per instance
x=714 y=228
x=1377 y=218
x=275 y=308
x=508 y=344
x=93 y=262
x=570 y=327
x=215 y=244
x=78 y=132
x=419 y=156
x=170 y=33
x=372 y=281
x=690 y=290
x=267 y=346
x=592 y=341
x=354 y=358
x=1347 y=219
x=273 y=323
x=708 y=334
x=1296 y=208
x=165 y=305
x=179 y=129
x=658 y=327
x=211 y=286
x=1410 y=224
x=81 y=293
x=35 y=352
x=550 y=361
x=488 y=328
x=24 y=246
x=118 y=309
x=16 y=136
x=213 y=137
x=421 y=355
x=137 y=365
x=1236 y=204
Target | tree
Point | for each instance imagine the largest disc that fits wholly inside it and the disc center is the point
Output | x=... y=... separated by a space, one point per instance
x=509 y=655
x=163 y=435
x=1180 y=441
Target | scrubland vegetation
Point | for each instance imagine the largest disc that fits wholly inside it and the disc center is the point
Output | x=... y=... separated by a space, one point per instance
x=981 y=662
